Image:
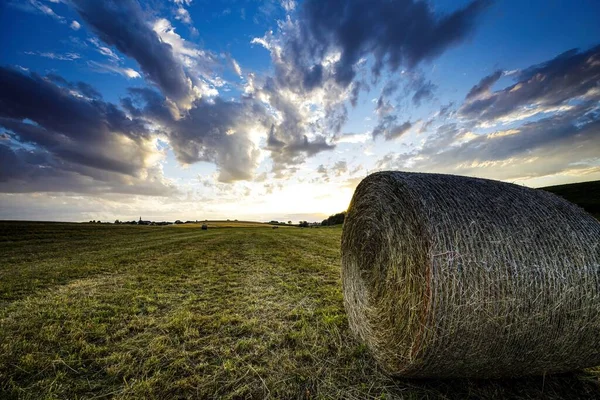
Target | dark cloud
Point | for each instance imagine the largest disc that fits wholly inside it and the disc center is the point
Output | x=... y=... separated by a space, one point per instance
x=423 y=90
x=214 y=130
x=484 y=85
x=541 y=88
x=395 y=33
x=355 y=92
x=273 y=143
x=294 y=153
x=390 y=129
x=307 y=147
x=65 y=141
x=123 y=24
x=313 y=78
x=82 y=88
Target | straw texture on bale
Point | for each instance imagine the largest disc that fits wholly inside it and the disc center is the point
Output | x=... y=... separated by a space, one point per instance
x=449 y=276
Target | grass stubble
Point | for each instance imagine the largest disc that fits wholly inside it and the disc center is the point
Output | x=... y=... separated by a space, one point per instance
x=126 y=312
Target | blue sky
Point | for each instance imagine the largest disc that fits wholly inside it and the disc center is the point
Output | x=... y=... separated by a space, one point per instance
x=190 y=109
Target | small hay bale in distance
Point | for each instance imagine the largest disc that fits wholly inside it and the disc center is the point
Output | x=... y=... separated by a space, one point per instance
x=450 y=276
x=204 y=227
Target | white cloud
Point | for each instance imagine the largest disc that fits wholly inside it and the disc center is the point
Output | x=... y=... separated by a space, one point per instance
x=106 y=51
x=183 y=15
x=75 y=25
x=47 y=10
x=55 y=56
x=236 y=67
x=353 y=138
x=126 y=72
x=288 y=5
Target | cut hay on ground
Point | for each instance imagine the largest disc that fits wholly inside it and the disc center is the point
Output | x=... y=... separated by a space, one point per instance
x=448 y=276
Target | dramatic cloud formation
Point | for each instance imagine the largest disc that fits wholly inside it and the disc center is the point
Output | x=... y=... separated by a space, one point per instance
x=546 y=87
x=329 y=91
x=62 y=137
x=393 y=33
x=564 y=143
x=316 y=58
x=226 y=133
x=123 y=24
x=567 y=141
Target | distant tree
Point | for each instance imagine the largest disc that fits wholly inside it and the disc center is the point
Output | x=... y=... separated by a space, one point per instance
x=303 y=224
x=117 y=221
x=178 y=222
x=336 y=219
x=289 y=222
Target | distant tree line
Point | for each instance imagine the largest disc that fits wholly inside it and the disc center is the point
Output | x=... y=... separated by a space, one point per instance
x=273 y=222
x=336 y=219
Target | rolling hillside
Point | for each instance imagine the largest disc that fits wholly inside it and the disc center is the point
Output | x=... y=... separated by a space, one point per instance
x=585 y=194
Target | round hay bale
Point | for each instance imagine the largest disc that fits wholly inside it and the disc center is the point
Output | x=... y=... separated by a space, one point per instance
x=204 y=227
x=450 y=276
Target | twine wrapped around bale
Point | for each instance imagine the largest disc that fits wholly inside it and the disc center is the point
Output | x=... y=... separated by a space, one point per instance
x=450 y=276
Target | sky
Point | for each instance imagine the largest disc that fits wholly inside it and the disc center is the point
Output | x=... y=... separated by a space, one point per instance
x=277 y=109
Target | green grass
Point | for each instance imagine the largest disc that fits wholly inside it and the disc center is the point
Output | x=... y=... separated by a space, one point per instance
x=127 y=312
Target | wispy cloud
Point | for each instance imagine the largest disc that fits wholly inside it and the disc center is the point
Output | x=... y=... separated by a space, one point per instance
x=104 y=50
x=126 y=72
x=55 y=56
x=35 y=6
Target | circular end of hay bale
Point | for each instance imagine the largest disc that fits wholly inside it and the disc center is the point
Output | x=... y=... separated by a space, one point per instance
x=385 y=272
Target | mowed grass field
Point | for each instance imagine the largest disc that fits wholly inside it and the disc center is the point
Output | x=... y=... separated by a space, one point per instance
x=107 y=311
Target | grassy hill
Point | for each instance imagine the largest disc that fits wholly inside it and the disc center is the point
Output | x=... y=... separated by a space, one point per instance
x=130 y=312
x=586 y=195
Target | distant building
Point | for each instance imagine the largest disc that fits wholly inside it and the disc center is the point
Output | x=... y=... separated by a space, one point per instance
x=141 y=222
